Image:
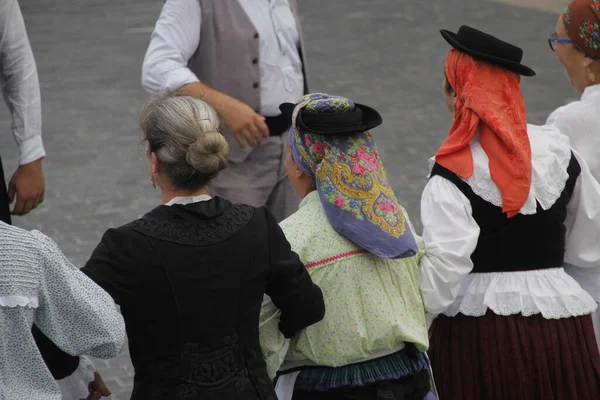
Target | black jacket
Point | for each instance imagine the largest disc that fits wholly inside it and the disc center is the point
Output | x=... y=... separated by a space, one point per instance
x=190 y=280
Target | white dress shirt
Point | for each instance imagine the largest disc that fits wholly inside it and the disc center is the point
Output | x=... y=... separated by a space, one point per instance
x=19 y=82
x=177 y=35
x=580 y=121
x=450 y=233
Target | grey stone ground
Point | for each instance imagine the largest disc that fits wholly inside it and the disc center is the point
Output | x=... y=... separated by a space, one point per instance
x=386 y=53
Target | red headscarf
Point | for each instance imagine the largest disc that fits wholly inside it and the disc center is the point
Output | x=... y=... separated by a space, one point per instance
x=489 y=101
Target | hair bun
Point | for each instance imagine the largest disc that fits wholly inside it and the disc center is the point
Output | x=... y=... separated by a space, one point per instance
x=209 y=154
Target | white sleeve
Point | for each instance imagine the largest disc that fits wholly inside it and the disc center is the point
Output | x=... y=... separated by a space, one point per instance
x=582 y=247
x=554 y=117
x=450 y=234
x=19 y=83
x=272 y=342
x=174 y=41
x=74 y=312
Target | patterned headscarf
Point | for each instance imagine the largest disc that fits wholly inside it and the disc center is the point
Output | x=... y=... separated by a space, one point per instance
x=582 y=22
x=489 y=101
x=351 y=181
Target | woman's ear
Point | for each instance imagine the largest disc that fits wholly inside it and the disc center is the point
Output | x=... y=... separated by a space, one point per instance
x=154 y=163
x=298 y=172
x=587 y=62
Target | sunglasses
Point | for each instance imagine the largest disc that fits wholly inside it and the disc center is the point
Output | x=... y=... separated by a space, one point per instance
x=553 y=39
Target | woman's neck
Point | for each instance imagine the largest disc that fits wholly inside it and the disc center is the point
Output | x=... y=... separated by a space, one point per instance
x=168 y=194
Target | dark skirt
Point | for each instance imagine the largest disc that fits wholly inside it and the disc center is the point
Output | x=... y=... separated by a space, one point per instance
x=515 y=358
x=4 y=204
x=412 y=387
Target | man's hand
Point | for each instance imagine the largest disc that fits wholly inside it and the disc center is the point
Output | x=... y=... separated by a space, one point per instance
x=27 y=186
x=243 y=122
x=97 y=388
x=246 y=126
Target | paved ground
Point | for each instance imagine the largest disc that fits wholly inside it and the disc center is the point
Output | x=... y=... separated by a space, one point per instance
x=381 y=52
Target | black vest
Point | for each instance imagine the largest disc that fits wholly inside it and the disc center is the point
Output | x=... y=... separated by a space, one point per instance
x=520 y=243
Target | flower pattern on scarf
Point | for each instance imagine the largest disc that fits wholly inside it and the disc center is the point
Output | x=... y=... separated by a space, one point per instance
x=351 y=182
x=567 y=16
x=590 y=33
x=354 y=180
x=581 y=19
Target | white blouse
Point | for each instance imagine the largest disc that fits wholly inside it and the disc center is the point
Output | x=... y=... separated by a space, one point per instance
x=450 y=234
x=39 y=285
x=580 y=121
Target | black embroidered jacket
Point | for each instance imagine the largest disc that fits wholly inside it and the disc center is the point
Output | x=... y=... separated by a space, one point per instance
x=190 y=281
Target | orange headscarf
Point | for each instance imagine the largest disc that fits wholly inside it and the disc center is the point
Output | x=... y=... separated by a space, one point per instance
x=489 y=101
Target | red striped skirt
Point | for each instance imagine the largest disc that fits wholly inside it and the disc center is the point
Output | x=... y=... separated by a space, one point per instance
x=515 y=358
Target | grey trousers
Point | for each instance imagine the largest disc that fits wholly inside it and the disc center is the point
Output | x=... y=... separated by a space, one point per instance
x=260 y=179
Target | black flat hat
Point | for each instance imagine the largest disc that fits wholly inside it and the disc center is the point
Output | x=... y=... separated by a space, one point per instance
x=488 y=48
x=360 y=119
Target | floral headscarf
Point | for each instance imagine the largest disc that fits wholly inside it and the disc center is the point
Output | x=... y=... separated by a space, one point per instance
x=582 y=22
x=351 y=181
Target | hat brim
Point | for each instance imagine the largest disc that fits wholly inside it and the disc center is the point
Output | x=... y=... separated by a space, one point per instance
x=452 y=39
x=328 y=126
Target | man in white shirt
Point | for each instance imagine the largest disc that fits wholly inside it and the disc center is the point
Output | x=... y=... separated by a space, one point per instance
x=21 y=91
x=244 y=58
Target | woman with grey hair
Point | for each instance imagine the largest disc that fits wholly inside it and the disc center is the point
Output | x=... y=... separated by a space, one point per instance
x=190 y=275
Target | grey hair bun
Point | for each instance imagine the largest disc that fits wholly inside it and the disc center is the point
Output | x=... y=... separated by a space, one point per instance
x=209 y=154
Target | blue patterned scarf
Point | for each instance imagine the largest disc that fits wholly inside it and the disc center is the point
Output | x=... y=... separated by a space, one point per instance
x=351 y=181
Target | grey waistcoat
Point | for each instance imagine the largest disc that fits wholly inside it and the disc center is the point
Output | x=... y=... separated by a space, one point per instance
x=227 y=57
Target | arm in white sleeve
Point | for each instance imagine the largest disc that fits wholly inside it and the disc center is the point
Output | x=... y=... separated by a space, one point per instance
x=450 y=234
x=583 y=221
x=174 y=41
x=19 y=83
x=74 y=312
x=274 y=345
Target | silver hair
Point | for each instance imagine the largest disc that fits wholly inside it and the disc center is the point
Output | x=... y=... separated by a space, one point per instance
x=184 y=132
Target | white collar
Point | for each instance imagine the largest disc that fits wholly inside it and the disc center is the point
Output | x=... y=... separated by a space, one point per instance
x=590 y=92
x=188 y=199
x=550 y=157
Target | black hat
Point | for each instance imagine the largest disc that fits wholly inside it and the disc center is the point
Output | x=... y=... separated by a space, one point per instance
x=360 y=119
x=488 y=48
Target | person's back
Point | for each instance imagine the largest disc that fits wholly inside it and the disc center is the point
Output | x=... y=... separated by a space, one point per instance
x=191 y=274
x=190 y=279
x=357 y=243
x=38 y=285
x=373 y=303
x=580 y=120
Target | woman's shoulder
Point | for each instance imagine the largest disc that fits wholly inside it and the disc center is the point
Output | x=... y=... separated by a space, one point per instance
x=572 y=115
x=194 y=223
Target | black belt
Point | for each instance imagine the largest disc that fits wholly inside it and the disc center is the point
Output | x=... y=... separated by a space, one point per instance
x=278 y=125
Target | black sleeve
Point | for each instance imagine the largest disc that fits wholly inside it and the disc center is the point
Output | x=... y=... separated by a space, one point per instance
x=112 y=266
x=58 y=362
x=290 y=286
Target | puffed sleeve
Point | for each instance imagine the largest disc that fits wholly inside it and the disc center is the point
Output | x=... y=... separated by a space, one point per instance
x=450 y=234
x=75 y=313
x=290 y=286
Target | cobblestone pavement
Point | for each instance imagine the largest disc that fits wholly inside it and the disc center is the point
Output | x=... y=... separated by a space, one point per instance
x=386 y=53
